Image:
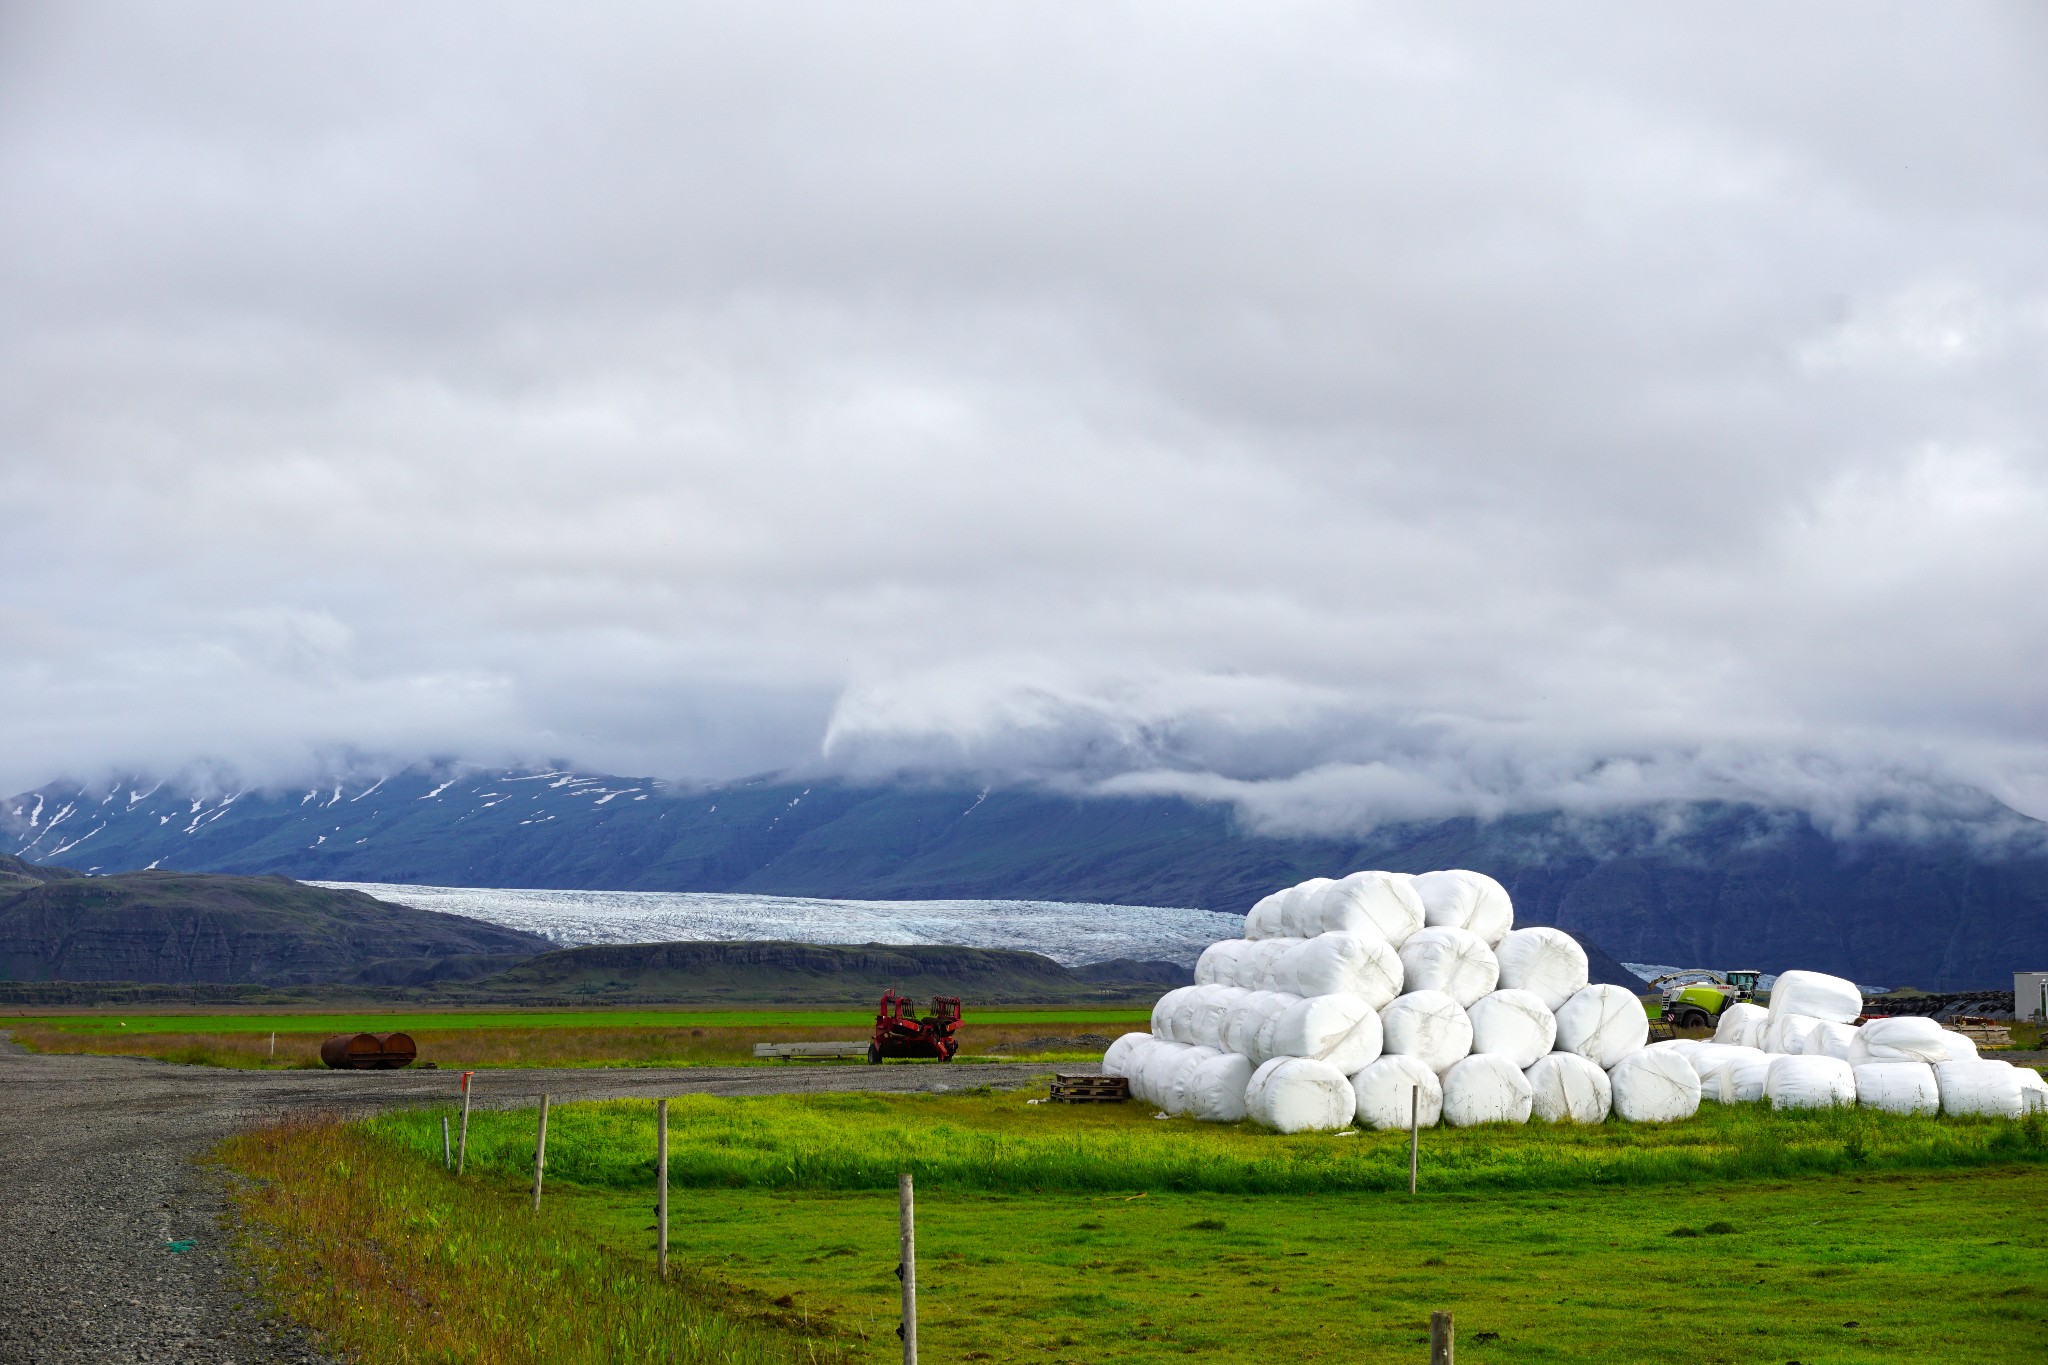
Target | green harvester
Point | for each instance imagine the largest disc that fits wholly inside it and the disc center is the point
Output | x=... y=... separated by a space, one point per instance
x=1695 y=999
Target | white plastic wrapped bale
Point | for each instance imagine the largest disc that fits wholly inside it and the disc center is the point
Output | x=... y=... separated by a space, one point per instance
x=1786 y=1033
x=1992 y=1089
x=1486 y=1088
x=1301 y=908
x=1213 y=1009
x=1215 y=1093
x=1906 y=1039
x=1383 y=904
x=1515 y=1024
x=1173 y=1078
x=1117 y=1057
x=1603 y=1024
x=1566 y=1088
x=1744 y=1080
x=1149 y=1068
x=1959 y=1047
x=1339 y=1029
x=2033 y=1089
x=1655 y=1086
x=1255 y=966
x=1454 y=961
x=1341 y=963
x=1546 y=962
x=1218 y=965
x=1830 y=1040
x=1241 y=1026
x=1386 y=1093
x=1187 y=1016
x=1301 y=1095
x=1897 y=1087
x=1824 y=997
x=1712 y=1059
x=1163 y=1008
x=1810 y=1082
x=1428 y=1026
x=1473 y=901
x=1263 y=919
x=1742 y=1025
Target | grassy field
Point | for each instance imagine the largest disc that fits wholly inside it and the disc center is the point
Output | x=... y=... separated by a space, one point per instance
x=1050 y=1233
x=636 y=1038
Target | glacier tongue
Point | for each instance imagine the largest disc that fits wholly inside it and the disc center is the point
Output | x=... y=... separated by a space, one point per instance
x=1069 y=932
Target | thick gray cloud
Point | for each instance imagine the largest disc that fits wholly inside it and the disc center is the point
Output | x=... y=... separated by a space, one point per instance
x=1345 y=413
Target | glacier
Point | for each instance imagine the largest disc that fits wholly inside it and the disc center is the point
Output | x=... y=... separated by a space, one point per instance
x=1071 y=933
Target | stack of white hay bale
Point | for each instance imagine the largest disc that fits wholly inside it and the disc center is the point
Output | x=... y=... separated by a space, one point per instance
x=1383 y=998
x=1807 y=1051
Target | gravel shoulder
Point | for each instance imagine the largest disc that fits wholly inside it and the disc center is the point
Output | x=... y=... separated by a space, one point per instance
x=97 y=1178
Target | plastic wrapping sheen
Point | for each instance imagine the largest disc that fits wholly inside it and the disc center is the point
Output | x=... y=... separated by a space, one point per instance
x=1467 y=900
x=1908 y=1039
x=1386 y=1090
x=1215 y=1093
x=1802 y=1082
x=2033 y=1089
x=1454 y=961
x=1546 y=962
x=1486 y=1088
x=1655 y=1086
x=1514 y=1024
x=1164 y=1008
x=1711 y=1059
x=1148 y=1076
x=1241 y=1025
x=1603 y=1024
x=1566 y=1088
x=1218 y=963
x=1255 y=965
x=1744 y=1079
x=1960 y=1048
x=1898 y=1087
x=1214 y=1007
x=1301 y=1095
x=1176 y=1076
x=1263 y=919
x=1339 y=1029
x=1186 y=1017
x=1375 y=903
x=1341 y=962
x=1742 y=1025
x=1301 y=908
x=1830 y=1040
x=1787 y=1032
x=1117 y=1056
x=1992 y=1089
x=1825 y=997
x=1429 y=1026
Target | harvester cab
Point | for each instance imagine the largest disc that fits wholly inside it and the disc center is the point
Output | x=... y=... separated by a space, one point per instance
x=1695 y=999
x=900 y=1033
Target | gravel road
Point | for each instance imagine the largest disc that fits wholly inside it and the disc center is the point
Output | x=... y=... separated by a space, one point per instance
x=97 y=1180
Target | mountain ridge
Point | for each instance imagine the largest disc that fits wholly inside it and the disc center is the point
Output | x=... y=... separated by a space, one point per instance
x=1717 y=884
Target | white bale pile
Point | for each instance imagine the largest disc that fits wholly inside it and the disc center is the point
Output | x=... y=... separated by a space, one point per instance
x=1382 y=998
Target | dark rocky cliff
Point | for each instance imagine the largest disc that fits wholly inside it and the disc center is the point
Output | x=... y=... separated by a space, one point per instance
x=187 y=927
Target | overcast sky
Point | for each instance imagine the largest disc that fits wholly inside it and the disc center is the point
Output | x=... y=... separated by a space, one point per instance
x=1353 y=411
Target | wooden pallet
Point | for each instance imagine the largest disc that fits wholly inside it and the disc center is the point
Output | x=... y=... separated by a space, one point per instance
x=1090 y=1089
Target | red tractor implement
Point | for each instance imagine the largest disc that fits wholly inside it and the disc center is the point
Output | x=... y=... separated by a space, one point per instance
x=900 y=1033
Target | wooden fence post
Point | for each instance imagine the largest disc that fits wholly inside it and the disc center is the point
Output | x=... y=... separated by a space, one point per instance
x=1414 y=1134
x=540 y=1151
x=661 y=1188
x=1442 y=1346
x=908 y=1268
x=462 y=1142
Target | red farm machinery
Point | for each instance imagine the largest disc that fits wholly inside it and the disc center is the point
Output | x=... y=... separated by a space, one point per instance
x=900 y=1033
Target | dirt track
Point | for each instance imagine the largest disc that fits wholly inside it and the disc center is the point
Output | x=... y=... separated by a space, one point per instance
x=97 y=1178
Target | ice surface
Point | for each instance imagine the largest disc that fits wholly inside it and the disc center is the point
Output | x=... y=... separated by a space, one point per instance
x=1068 y=932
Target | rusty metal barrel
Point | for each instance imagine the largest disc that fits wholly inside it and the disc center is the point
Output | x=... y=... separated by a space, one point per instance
x=369 y=1051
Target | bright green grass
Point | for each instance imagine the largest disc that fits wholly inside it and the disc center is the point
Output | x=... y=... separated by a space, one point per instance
x=113 y=1022
x=995 y=1141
